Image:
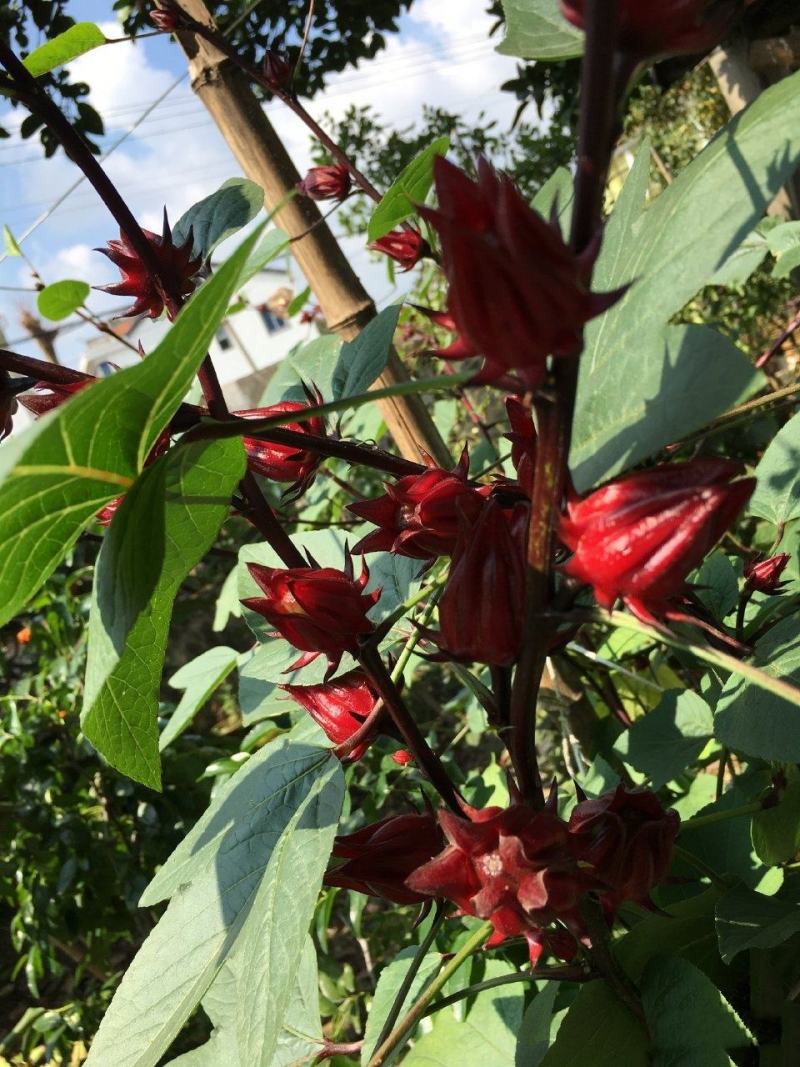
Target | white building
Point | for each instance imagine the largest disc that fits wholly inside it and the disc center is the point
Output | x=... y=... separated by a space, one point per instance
x=247 y=347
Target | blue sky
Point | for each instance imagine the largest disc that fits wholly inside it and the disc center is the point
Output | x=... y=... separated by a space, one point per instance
x=442 y=55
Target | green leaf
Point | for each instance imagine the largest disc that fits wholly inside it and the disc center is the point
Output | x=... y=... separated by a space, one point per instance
x=409 y=188
x=263 y=672
x=539 y=1028
x=691 y=1024
x=284 y=802
x=162 y=529
x=227 y=605
x=74 y=42
x=787 y=263
x=363 y=360
x=272 y=244
x=536 y=29
x=750 y=254
x=667 y=740
x=198 y=679
x=777 y=495
x=313 y=364
x=776 y=830
x=298 y=302
x=755 y=721
x=595 y=1030
x=557 y=195
x=218 y=216
x=10 y=243
x=56 y=475
x=59 y=300
x=388 y=988
x=301 y=1033
x=748 y=920
x=717 y=583
x=487 y=1036
x=642 y=385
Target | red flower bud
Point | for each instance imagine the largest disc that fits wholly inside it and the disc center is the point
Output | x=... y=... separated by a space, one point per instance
x=285 y=463
x=402 y=757
x=627 y=838
x=639 y=537
x=380 y=857
x=765 y=577
x=481 y=610
x=523 y=442
x=514 y=867
x=666 y=27
x=339 y=706
x=311 y=314
x=177 y=269
x=166 y=21
x=326 y=183
x=406 y=247
x=419 y=515
x=48 y=395
x=277 y=71
x=318 y=610
x=517 y=293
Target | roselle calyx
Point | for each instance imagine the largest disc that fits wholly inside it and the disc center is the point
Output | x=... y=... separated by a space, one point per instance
x=45 y=396
x=419 y=515
x=321 y=611
x=517 y=294
x=656 y=28
x=514 y=867
x=638 y=537
x=331 y=182
x=177 y=270
x=406 y=247
x=277 y=71
x=379 y=858
x=285 y=463
x=765 y=577
x=523 y=442
x=481 y=609
x=340 y=706
x=626 y=838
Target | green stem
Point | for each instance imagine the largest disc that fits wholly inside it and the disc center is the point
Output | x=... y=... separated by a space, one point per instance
x=721 y=816
x=543 y=974
x=417 y=1010
x=603 y=957
x=411 y=974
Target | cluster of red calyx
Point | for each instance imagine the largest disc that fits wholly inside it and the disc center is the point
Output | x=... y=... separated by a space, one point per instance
x=638 y=538
x=667 y=27
x=765 y=577
x=340 y=707
x=517 y=294
x=165 y=20
x=420 y=514
x=177 y=269
x=319 y=610
x=405 y=247
x=285 y=463
x=326 y=183
x=523 y=870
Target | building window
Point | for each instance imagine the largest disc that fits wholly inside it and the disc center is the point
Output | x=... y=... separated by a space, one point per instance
x=223 y=338
x=272 y=321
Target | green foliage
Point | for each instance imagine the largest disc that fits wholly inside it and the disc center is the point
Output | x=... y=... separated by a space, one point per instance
x=777 y=496
x=748 y=920
x=80 y=38
x=61 y=299
x=408 y=189
x=220 y=215
x=536 y=29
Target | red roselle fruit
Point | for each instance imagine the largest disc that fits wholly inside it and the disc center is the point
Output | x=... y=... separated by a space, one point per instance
x=47 y=395
x=177 y=271
x=517 y=294
x=523 y=442
x=339 y=706
x=514 y=867
x=285 y=463
x=481 y=609
x=326 y=183
x=277 y=71
x=765 y=577
x=666 y=27
x=626 y=837
x=322 y=611
x=166 y=21
x=638 y=538
x=380 y=858
x=405 y=247
x=419 y=515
